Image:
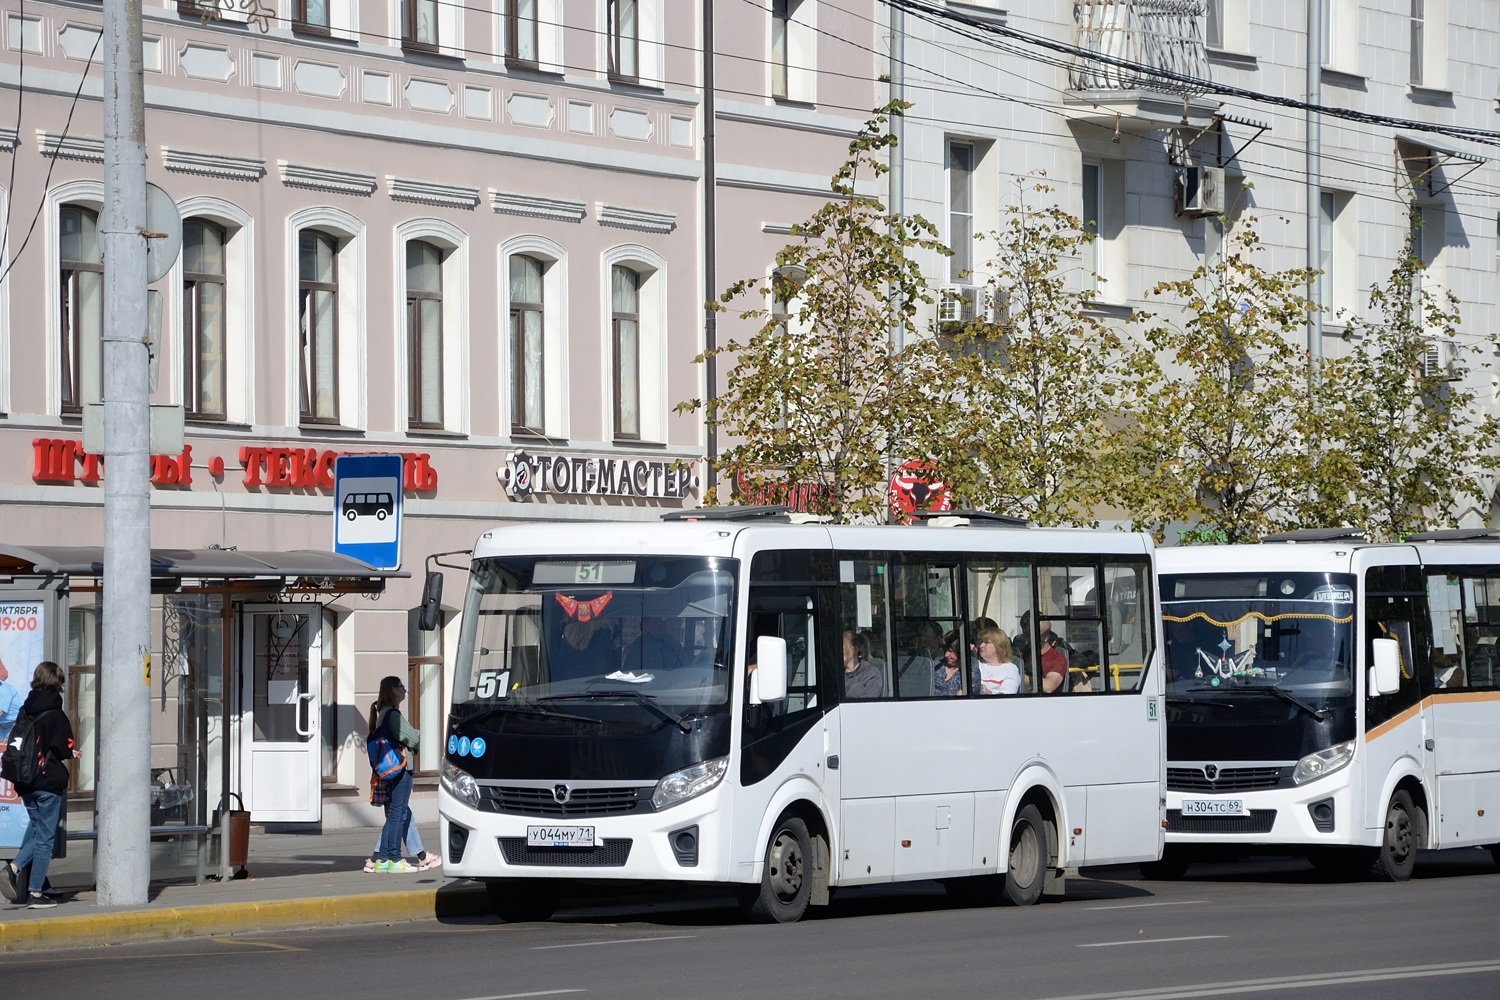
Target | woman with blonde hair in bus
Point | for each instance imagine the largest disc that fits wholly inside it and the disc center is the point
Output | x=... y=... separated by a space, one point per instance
x=998 y=673
x=385 y=717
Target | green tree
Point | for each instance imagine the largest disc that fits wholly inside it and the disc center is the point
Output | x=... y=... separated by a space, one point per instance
x=1039 y=377
x=1219 y=423
x=818 y=396
x=1407 y=445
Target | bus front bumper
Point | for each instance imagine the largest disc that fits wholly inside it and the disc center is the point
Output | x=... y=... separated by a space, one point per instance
x=1319 y=813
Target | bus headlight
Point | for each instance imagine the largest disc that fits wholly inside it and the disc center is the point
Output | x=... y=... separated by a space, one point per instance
x=679 y=786
x=459 y=783
x=1323 y=763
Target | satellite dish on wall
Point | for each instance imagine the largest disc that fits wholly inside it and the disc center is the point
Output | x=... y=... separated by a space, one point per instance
x=164 y=224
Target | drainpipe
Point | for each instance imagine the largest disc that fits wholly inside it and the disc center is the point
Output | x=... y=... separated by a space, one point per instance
x=710 y=238
x=1314 y=172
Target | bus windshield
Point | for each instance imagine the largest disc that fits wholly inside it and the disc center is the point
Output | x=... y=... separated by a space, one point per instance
x=569 y=635
x=1287 y=635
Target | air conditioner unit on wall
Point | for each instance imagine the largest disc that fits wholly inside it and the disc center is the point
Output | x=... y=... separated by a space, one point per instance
x=958 y=303
x=1200 y=191
x=1440 y=360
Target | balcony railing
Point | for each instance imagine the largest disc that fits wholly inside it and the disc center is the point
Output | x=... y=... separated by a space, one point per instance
x=1154 y=35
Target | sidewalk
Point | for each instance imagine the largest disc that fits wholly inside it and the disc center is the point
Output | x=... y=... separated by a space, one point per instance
x=296 y=880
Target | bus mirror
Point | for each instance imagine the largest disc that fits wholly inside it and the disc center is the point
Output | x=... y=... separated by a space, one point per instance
x=432 y=602
x=768 y=679
x=1385 y=675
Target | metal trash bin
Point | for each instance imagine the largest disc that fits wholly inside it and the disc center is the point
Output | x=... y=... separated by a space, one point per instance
x=239 y=838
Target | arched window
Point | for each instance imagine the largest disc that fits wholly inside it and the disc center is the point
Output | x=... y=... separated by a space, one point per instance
x=625 y=326
x=527 y=347
x=424 y=334
x=203 y=320
x=81 y=270
x=318 y=325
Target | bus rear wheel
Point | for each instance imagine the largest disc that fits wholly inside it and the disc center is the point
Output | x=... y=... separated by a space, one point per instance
x=1397 y=855
x=516 y=901
x=786 y=882
x=1026 y=873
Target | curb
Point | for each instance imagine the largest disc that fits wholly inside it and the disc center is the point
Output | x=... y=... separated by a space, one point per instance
x=213 y=919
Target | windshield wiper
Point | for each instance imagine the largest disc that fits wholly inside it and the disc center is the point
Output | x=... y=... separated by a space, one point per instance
x=1291 y=699
x=522 y=708
x=636 y=696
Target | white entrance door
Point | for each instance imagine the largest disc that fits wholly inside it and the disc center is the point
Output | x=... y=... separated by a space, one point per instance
x=279 y=713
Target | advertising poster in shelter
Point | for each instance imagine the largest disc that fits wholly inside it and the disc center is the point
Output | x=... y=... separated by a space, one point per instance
x=21 y=649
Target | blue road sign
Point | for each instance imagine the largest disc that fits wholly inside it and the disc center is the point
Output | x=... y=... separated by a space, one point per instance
x=367 y=509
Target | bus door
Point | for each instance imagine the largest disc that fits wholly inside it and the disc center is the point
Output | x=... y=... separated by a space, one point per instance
x=1398 y=727
x=1464 y=703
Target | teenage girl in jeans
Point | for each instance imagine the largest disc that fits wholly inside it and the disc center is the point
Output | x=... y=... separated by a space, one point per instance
x=44 y=799
x=385 y=716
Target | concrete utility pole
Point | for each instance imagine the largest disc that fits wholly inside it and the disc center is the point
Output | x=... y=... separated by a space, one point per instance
x=123 y=857
x=1315 y=43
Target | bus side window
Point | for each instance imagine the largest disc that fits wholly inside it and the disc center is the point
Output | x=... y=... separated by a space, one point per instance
x=864 y=616
x=1128 y=640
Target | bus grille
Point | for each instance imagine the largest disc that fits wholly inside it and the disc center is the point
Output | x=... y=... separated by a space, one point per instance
x=612 y=854
x=582 y=802
x=1230 y=779
x=1259 y=821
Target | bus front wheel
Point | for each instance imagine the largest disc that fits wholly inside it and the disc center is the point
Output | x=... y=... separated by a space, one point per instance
x=515 y=901
x=1029 y=854
x=1397 y=855
x=786 y=883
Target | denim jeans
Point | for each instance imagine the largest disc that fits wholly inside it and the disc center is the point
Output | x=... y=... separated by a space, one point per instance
x=36 y=847
x=397 y=819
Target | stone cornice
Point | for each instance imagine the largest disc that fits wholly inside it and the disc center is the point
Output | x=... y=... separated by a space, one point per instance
x=9 y=137
x=314 y=177
x=431 y=192
x=61 y=145
x=640 y=219
x=220 y=165
x=538 y=207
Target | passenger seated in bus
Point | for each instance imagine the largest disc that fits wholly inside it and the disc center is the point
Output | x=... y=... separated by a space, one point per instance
x=998 y=673
x=862 y=678
x=656 y=648
x=1054 y=663
x=1446 y=670
x=948 y=672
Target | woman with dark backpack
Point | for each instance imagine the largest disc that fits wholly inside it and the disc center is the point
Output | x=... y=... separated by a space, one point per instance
x=44 y=798
x=385 y=718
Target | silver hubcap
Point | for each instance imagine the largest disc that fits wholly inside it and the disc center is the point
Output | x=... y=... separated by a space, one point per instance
x=786 y=866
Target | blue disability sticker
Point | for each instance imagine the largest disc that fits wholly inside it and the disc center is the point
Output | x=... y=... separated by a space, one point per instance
x=477 y=747
x=463 y=746
x=453 y=744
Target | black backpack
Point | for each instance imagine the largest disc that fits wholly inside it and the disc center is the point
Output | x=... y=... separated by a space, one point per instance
x=24 y=761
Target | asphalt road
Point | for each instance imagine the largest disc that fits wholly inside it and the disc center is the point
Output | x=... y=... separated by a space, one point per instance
x=1261 y=928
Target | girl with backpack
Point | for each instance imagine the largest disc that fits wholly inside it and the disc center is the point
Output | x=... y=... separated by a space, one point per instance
x=385 y=718
x=44 y=797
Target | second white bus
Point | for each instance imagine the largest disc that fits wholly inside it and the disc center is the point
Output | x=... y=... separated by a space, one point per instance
x=1333 y=698
x=668 y=703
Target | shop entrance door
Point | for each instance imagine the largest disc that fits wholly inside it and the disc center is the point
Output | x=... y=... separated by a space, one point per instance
x=280 y=712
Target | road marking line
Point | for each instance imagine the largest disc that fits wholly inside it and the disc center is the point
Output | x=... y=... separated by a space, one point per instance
x=593 y=944
x=268 y=945
x=1145 y=940
x=518 y=996
x=1137 y=906
x=1294 y=982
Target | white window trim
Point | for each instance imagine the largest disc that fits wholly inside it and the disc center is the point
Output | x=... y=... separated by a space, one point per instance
x=343 y=18
x=353 y=368
x=450 y=27
x=239 y=309
x=650 y=42
x=455 y=244
x=554 y=332
x=1343 y=45
x=82 y=192
x=1343 y=291
x=801 y=52
x=1234 y=27
x=651 y=333
x=1111 y=244
x=1434 y=45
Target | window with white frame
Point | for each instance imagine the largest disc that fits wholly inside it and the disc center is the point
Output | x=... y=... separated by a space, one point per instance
x=792 y=50
x=528 y=345
x=318 y=326
x=1338 y=255
x=533 y=300
x=1428 y=23
x=424 y=334
x=81 y=282
x=961 y=211
x=1226 y=25
x=1102 y=215
x=325 y=275
x=1340 y=30
x=635 y=318
x=213 y=298
x=204 y=320
x=432 y=283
